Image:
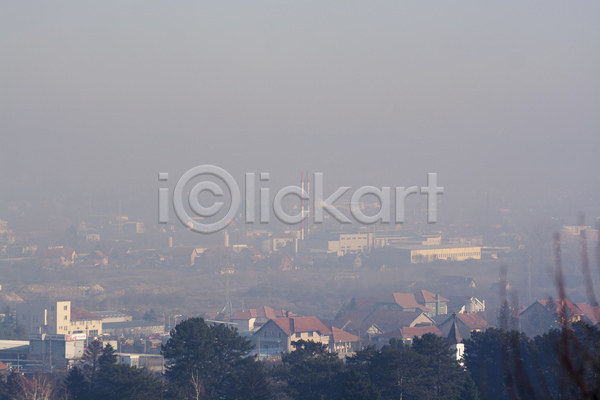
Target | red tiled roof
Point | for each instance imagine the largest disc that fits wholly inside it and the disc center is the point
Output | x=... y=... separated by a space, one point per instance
x=472 y=321
x=558 y=303
x=263 y=312
x=3 y=366
x=362 y=303
x=338 y=335
x=284 y=324
x=356 y=318
x=423 y=296
x=390 y=318
x=77 y=314
x=308 y=324
x=301 y=324
x=411 y=332
x=591 y=313
x=404 y=300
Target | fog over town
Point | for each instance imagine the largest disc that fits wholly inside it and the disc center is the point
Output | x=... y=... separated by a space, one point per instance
x=458 y=141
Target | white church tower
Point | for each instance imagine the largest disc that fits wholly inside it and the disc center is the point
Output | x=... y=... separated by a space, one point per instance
x=455 y=340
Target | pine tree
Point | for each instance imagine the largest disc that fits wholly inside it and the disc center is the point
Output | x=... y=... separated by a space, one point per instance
x=357 y=387
x=108 y=357
x=76 y=385
x=90 y=357
x=201 y=356
x=469 y=390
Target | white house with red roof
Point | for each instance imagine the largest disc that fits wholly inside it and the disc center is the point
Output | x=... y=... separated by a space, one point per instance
x=253 y=318
x=341 y=341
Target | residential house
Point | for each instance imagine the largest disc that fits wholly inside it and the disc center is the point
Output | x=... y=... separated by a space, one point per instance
x=183 y=256
x=94 y=259
x=251 y=319
x=423 y=300
x=355 y=322
x=406 y=334
x=591 y=314
x=373 y=323
x=58 y=256
x=278 y=335
x=465 y=304
x=400 y=302
x=387 y=320
x=466 y=323
x=543 y=315
x=341 y=341
x=456 y=281
x=436 y=303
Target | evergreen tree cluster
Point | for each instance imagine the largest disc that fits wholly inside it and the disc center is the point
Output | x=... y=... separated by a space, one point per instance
x=561 y=364
x=100 y=377
x=427 y=370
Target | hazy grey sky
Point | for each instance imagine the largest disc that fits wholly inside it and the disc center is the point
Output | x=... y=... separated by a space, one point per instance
x=108 y=94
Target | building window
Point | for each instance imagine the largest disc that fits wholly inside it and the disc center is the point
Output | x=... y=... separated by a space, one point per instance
x=65 y=308
x=298 y=334
x=279 y=335
x=265 y=334
x=310 y=334
x=65 y=318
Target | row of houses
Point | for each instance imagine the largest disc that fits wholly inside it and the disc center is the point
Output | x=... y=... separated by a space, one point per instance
x=278 y=334
x=543 y=315
x=401 y=316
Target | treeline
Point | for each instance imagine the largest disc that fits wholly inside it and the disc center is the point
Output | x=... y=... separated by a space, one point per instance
x=212 y=362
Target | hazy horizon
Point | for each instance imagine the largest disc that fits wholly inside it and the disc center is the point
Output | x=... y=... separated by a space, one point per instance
x=495 y=98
